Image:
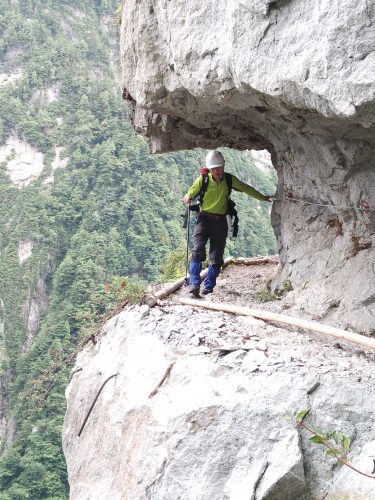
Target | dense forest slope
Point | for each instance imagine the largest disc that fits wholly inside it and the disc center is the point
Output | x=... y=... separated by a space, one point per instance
x=87 y=217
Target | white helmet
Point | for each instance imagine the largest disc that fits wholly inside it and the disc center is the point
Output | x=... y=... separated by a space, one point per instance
x=214 y=159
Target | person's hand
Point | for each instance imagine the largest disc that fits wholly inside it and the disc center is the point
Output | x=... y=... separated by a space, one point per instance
x=186 y=199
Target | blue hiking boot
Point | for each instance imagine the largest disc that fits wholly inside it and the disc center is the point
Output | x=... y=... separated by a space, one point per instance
x=194 y=291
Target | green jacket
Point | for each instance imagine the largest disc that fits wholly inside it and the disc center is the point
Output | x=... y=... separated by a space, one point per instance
x=215 y=199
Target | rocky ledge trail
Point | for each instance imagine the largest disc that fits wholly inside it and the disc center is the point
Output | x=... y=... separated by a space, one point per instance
x=195 y=409
x=250 y=286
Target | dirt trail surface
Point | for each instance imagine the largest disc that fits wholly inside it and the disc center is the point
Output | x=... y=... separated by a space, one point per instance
x=248 y=285
x=243 y=285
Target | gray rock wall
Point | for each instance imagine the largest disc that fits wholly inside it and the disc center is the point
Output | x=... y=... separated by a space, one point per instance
x=214 y=429
x=293 y=77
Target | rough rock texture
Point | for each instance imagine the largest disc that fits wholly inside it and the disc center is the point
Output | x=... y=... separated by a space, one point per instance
x=295 y=78
x=25 y=250
x=214 y=428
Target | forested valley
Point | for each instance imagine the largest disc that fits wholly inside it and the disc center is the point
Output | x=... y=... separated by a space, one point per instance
x=99 y=221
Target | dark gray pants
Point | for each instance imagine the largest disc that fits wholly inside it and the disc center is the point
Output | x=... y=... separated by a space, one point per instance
x=214 y=228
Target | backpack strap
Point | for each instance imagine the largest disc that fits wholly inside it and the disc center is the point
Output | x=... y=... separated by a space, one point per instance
x=228 y=179
x=231 y=210
x=200 y=195
x=203 y=189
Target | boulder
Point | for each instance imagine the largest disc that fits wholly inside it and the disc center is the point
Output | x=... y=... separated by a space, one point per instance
x=175 y=421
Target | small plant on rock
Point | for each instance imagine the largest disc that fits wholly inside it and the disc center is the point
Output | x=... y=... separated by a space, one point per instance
x=335 y=443
x=265 y=295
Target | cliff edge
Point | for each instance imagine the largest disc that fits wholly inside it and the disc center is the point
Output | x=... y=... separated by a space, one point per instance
x=195 y=403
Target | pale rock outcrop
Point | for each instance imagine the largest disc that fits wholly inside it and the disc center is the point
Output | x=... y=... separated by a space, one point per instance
x=11 y=68
x=296 y=78
x=32 y=310
x=214 y=428
x=23 y=162
x=25 y=250
x=7 y=425
x=343 y=485
x=8 y=78
x=43 y=97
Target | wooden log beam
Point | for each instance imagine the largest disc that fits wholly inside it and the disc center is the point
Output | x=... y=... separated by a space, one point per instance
x=313 y=326
x=152 y=300
x=256 y=261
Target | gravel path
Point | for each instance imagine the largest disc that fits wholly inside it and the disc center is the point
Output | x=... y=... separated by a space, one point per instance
x=248 y=285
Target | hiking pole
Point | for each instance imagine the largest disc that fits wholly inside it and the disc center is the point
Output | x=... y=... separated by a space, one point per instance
x=186 y=225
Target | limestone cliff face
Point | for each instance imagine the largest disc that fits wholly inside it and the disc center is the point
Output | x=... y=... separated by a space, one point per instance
x=295 y=78
x=211 y=428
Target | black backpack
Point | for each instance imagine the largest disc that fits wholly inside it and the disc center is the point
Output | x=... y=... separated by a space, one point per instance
x=231 y=210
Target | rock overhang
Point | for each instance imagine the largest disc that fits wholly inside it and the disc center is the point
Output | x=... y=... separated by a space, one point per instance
x=168 y=126
x=295 y=78
x=186 y=60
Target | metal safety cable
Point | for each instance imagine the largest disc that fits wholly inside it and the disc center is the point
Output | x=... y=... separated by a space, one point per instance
x=364 y=205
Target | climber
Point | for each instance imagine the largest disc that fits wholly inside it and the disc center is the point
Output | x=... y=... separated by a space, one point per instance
x=211 y=221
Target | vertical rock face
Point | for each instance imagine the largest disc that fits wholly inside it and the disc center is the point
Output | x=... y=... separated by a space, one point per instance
x=295 y=78
x=32 y=310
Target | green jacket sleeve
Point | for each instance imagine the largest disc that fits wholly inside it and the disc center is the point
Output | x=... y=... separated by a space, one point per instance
x=195 y=188
x=245 y=188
